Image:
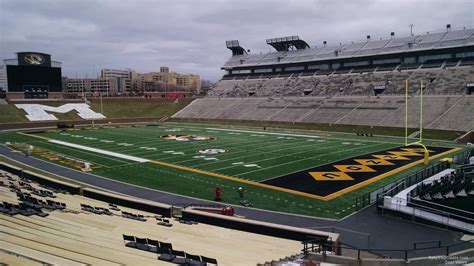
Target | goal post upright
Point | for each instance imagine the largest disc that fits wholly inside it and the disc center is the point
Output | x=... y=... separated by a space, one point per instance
x=406 y=112
x=420 y=140
x=421 y=110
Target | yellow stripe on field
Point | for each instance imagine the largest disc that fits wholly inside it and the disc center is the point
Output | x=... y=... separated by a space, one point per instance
x=33 y=136
x=226 y=177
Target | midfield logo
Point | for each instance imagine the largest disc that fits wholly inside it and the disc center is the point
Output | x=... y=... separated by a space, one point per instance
x=186 y=137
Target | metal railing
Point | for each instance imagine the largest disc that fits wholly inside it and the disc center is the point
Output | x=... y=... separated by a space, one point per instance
x=442 y=208
x=186 y=205
x=415 y=252
x=398 y=185
x=349 y=235
x=447 y=218
x=462 y=157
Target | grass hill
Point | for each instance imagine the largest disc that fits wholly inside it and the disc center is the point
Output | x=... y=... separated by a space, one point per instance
x=112 y=108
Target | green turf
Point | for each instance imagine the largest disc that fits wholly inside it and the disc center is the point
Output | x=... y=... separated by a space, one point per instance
x=275 y=154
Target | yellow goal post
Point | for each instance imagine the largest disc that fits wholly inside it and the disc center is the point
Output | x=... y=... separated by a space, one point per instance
x=420 y=140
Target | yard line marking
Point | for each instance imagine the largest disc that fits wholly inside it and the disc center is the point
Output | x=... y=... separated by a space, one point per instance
x=291 y=135
x=85 y=152
x=82 y=147
x=124 y=144
x=100 y=151
x=76 y=158
x=88 y=153
x=148 y=148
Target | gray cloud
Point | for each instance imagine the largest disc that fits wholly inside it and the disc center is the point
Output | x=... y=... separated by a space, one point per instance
x=188 y=35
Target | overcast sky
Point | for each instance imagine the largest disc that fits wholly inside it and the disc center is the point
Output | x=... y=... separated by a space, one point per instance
x=189 y=35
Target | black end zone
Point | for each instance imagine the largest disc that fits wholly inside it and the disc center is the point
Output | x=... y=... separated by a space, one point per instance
x=328 y=179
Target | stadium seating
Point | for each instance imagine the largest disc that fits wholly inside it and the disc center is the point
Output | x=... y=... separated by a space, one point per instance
x=433 y=63
x=353 y=81
x=451 y=62
x=166 y=252
x=440 y=112
x=408 y=66
x=387 y=67
x=345 y=96
x=455 y=190
x=468 y=61
x=77 y=230
x=444 y=199
x=452 y=195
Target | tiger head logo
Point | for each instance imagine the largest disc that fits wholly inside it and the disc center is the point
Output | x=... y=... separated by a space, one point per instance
x=34 y=59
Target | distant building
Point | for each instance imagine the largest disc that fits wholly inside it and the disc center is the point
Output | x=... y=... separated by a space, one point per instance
x=91 y=87
x=31 y=75
x=3 y=78
x=115 y=82
x=115 y=73
x=123 y=78
x=173 y=79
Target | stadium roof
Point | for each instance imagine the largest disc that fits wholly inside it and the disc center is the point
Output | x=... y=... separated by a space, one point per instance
x=235 y=47
x=431 y=41
x=287 y=43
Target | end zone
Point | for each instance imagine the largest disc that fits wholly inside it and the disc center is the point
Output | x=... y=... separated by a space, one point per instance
x=333 y=180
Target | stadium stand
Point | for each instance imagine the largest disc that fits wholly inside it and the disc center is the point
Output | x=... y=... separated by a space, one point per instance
x=440 y=112
x=331 y=84
x=437 y=80
x=445 y=198
x=76 y=230
x=454 y=190
x=445 y=39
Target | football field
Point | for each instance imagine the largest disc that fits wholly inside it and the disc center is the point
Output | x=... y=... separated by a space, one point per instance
x=318 y=174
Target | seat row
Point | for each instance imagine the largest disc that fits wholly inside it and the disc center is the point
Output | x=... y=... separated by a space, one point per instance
x=33 y=202
x=166 y=251
x=133 y=216
x=96 y=210
x=22 y=209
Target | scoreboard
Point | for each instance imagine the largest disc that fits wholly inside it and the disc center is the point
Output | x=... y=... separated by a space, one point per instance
x=34 y=75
